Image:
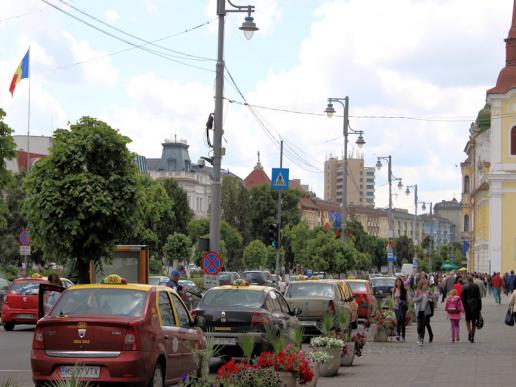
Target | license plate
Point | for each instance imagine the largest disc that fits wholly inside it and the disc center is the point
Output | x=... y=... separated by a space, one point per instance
x=80 y=372
x=24 y=316
x=308 y=323
x=224 y=341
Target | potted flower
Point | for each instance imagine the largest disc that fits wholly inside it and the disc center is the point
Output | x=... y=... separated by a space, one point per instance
x=292 y=366
x=241 y=373
x=316 y=359
x=333 y=347
x=359 y=339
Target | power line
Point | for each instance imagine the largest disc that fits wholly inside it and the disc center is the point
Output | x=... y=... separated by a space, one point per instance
x=21 y=15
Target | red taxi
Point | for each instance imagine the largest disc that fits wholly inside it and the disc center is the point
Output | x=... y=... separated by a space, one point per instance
x=116 y=332
x=21 y=302
x=364 y=297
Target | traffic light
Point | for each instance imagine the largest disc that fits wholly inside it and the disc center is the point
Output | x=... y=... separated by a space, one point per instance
x=273 y=234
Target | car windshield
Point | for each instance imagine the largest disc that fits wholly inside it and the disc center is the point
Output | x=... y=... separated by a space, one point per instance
x=26 y=287
x=155 y=280
x=384 y=282
x=358 y=286
x=233 y=297
x=95 y=301
x=254 y=276
x=313 y=289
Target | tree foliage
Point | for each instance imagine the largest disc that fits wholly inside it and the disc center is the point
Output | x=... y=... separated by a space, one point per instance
x=178 y=248
x=235 y=205
x=255 y=255
x=404 y=248
x=7 y=149
x=180 y=214
x=84 y=194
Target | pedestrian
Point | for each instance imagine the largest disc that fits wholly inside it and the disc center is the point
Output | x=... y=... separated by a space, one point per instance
x=422 y=299
x=450 y=281
x=480 y=284
x=458 y=285
x=497 y=284
x=454 y=307
x=400 y=298
x=174 y=284
x=472 y=306
x=50 y=297
x=505 y=283
x=512 y=303
x=510 y=282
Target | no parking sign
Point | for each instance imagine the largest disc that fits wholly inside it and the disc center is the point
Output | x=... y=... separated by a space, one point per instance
x=211 y=263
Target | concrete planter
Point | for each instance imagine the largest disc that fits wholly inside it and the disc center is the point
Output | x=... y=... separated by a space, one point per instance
x=288 y=379
x=347 y=359
x=312 y=383
x=331 y=367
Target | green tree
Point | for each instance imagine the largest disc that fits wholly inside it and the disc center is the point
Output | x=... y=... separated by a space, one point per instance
x=180 y=213
x=83 y=195
x=404 y=248
x=235 y=205
x=255 y=255
x=178 y=248
x=7 y=149
x=294 y=241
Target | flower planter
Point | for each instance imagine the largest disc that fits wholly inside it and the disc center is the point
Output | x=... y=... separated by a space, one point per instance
x=347 y=359
x=381 y=334
x=288 y=379
x=312 y=383
x=331 y=367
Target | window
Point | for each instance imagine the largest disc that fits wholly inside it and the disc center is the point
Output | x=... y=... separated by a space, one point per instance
x=184 y=320
x=466 y=223
x=370 y=187
x=466 y=184
x=283 y=303
x=370 y=180
x=275 y=302
x=513 y=141
x=165 y=310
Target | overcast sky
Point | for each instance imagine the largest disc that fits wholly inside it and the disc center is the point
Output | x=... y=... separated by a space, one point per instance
x=431 y=59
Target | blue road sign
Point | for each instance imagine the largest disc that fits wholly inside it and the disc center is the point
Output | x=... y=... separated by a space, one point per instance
x=390 y=257
x=24 y=237
x=211 y=263
x=465 y=246
x=279 y=179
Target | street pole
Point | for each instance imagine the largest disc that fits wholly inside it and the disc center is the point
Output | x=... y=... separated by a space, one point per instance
x=278 y=247
x=343 y=211
x=432 y=232
x=217 y=132
x=389 y=248
x=416 y=234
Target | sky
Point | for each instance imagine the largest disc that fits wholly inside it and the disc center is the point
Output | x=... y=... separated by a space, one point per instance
x=427 y=59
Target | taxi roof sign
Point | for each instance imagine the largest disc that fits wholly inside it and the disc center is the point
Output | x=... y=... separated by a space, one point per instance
x=114 y=279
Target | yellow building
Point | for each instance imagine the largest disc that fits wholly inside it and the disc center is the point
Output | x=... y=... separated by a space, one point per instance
x=489 y=174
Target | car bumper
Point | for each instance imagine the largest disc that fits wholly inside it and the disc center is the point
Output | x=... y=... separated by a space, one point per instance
x=12 y=315
x=234 y=349
x=132 y=367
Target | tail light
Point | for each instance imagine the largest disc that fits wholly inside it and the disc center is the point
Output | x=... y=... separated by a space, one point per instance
x=37 y=341
x=331 y=307
x=260 y=319
x=131 y=340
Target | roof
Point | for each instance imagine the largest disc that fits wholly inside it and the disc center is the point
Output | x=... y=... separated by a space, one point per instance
x=140 y=287
x=244 y=287
x=450 y=204
x=356 y=280
x=256 y=177
x=309 y=203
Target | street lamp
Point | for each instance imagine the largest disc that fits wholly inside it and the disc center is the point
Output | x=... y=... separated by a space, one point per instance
x=330 y=111
x=248 y=26
x=400 y=186
x=415 y=234
x=423 y=207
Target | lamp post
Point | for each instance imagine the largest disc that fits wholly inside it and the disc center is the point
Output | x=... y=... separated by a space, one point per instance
x=346 y=130
x=248 y=26
x=400 y=186
x=415 y=235
x=423 y=207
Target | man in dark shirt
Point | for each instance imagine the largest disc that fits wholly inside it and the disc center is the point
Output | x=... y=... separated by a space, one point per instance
x=472 y=302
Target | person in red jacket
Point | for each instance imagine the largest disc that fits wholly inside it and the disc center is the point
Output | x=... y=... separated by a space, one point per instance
x=496 y=284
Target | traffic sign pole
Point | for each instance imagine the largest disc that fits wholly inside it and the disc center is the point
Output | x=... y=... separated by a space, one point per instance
x=25 y=248
x=278 y=247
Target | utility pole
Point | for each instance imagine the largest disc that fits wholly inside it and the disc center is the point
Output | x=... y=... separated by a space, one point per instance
x=278 y=247
x=391 y=228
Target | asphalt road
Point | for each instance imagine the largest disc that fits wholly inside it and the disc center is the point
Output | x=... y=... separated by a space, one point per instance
x=15 y=349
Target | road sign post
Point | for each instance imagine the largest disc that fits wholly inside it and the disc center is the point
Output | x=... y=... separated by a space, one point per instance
x=211 y=264
x=25 y=247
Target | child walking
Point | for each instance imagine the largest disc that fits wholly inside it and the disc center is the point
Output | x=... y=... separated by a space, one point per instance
x=454 y=308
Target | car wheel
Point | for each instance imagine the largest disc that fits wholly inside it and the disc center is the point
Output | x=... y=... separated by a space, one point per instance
x=9 y=326
x=157 y=377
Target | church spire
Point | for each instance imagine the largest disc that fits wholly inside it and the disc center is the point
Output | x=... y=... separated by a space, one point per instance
x=258 y=163
x=507 y=77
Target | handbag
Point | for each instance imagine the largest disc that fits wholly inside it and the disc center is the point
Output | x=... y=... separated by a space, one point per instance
x=509 y=317
x=479 y=322
x=431 y=303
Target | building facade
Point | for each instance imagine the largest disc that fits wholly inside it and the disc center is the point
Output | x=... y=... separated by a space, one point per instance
x=489 y=174
x=39 y=148
x=438 y=228
x=375 y=221
x=360 y=181
x=452 y=211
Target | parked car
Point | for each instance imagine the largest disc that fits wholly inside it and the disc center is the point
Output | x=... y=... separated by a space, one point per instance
x=115 y=332
x=382 y=286
x=258 y=277
x=228 y=277
x=282 y=285
x=194 y=269
x=233 y=311
x=351 y=304
x=20 y=304
x=315 y=299
x=364 y=298
x=158 y=280
x=4 y=285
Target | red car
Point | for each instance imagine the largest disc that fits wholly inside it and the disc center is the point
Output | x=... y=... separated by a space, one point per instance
x=364 y=297
x=21 y=302
x=116 y=332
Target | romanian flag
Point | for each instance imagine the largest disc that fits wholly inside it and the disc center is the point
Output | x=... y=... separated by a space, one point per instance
x=21 y=72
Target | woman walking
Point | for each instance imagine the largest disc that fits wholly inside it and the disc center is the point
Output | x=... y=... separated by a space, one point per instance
x=399 y=296
x=472 y=306
x=422 y=299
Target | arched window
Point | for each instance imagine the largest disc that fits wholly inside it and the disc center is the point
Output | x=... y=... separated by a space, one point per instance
x=466 y=223
x=513 y=141
x=466 y=184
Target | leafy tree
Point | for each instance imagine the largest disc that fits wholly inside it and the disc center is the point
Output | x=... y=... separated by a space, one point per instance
x=83 y=195
x=255 y=255
x=235 y=205
x=7 y=149
x=177 y=248
x=180 y=213
x=324 y=252
x=404 y=248
x=294 y=241
x=271 y=258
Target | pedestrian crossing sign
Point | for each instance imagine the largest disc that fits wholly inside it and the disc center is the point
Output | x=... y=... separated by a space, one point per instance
x=279 y=178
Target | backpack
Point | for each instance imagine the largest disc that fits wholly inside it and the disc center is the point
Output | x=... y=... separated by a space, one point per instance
x=453 y=305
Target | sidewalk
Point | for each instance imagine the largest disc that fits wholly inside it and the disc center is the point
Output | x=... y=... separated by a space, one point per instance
x=490 y=361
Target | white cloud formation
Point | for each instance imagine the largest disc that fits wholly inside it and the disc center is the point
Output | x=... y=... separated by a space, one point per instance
x=111 y=15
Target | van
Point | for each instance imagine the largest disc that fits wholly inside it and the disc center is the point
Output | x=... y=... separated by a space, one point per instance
x=407 y=269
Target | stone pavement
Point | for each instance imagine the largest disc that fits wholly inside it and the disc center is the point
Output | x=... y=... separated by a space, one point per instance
x=490 y=361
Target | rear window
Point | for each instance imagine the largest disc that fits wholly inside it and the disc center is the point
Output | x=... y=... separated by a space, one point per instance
x=313 y=289
x=358 y=286
x=26 y=287
x=384 y=282
x=254 y=277
x=233 y=297
x=110 y=302
x=3 y=283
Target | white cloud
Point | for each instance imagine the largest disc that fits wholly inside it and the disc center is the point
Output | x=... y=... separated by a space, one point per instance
x=111 y=15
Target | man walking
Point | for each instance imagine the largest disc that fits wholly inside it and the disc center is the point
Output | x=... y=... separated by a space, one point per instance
x=472 y=306
x=497 y=284
x=478 y=281
x=510 y=282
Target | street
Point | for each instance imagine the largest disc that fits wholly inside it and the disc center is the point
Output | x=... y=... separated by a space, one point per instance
x=487 y=362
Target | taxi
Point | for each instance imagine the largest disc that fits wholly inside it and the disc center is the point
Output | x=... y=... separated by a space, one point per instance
x=20 y=304
x=115 y=332
x=230 y=312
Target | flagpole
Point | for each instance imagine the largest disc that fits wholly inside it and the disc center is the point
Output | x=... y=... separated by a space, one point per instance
x=28 y=123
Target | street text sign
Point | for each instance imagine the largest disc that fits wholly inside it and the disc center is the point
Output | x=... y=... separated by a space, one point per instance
x=24 y=250
x=210 y=281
